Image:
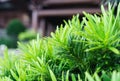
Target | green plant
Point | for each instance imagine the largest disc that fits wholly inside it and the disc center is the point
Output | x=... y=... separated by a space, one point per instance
x=39 y=56
x=77 y=51
x=65 y=45
x=9 y=42
x=115 y=76
x=15 y=27
x=19 y=72
x=102 y=38
x=35 y=56
x=5 y=79
x=113 y=2
x=27 y=35
x=102 y=32
x=7 y=63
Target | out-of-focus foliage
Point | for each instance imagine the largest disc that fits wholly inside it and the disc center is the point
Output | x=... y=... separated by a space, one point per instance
x=15 y=27
x=8 y=41
x=27 y=35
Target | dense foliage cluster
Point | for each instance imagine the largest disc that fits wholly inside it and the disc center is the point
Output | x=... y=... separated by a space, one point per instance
x=15 y=27
x=27 y=35
x=77 y=51
x=9 y=42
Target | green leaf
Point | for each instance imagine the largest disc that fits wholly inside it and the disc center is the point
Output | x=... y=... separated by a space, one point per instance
x=89 y=77
x=97 y=78
x=113 y=49
x=105 y=77
x=115 y=76
x=73 y=77
x=79 y=79
x=14 y=75
x=67 y=76
x=52 y=75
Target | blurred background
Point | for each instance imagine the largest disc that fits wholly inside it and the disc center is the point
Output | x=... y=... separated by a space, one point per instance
x=21 y=20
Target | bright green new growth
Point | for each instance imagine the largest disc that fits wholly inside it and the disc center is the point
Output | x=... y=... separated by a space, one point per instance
x=103 y=32
x=6 y=64
x=27 y=35
x=77 y=51
x=72 y=77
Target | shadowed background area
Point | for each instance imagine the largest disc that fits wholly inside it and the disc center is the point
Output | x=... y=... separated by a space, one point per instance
x=25 y=18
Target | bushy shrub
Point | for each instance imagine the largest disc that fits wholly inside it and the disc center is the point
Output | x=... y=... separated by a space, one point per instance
x=77 y=51
x=7 y=64
x=27 y=35
x=15 y=27
x=9 y=42
x=115 y=76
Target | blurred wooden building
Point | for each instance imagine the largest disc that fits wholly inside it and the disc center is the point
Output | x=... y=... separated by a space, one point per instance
x=44 y=15
x=12 y=9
